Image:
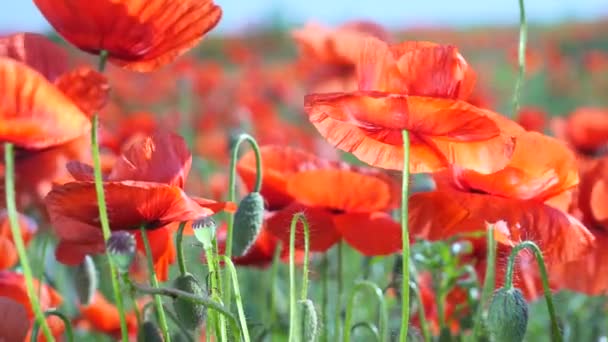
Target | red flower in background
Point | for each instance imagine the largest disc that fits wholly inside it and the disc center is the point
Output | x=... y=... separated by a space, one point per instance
x=144 y=188
x=138 y=35
x=414 y=86
x=532 y=119
x=587 y=129
x=37 y=51
x=8 y=251
x=102 y=316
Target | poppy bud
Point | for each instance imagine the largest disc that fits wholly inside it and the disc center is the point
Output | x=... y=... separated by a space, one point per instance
x=309 y=323
x=121 y=248
x=192 y=315
x=204 y=231
x=149 y=332
x=85 y=280
x=247 y=222
x=508 y=315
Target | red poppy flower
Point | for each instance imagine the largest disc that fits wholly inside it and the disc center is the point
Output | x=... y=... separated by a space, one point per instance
x=86 y=87
x=37 y=51
x=12 y=287
x=35 y=114
x=532 y=119
x=138 y=35
x=587 y=129
x=415 y=86
x=9 y=256
x=143 y=189
x=102 y=316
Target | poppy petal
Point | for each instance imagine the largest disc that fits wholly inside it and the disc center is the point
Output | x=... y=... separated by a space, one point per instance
x=35 y=114
x=80 y=171
x=37 y=51
x=163 y=250
x=14 y=322
x=371 y=234
x=86 y=87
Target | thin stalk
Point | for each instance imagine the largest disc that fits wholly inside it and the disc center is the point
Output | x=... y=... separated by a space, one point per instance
x=324 y=296
x=405 y=236
x=424 y=325
x=383 y=315
x=69 y=333
x=45 y=244
x=212 y=263
x=370 y=327
x=158 y=303
x=103 y=212
x=232 y=192
x=132 y=294
x=174 y=293
x=555 y=331
x=273 y=280
x=179 y=323
x=521 y=55
x=180 y=249
x=185 y=109
x=489 y=282
x=340 y=288
x=292 y=272
x=13 y=218
x=237 y=295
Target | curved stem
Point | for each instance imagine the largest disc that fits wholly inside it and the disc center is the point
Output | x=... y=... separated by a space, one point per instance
x=13 y=218
x=174 y=293
x=489 y=283
x=237 y=295
x=160 y=312
x=232 y=192
x=405 y=239
x=292 y=272
x=103 y=212
x=555 y=332
x=521 y=55
x=365 y=284
x=180 y=249
x=371 y=327
x=66 y=322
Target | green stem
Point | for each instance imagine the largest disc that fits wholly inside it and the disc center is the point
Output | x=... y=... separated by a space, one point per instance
x=273 y=280
x=11 y=207
x=405 y=236
x=207 y=237
x=555 y=331
x=185 y=108
x=174 y=293
x=160 y=312
x=292 y=272
x=489 y=282
x=66 y=322
x=237 y=295
x=179 y=323
x=383 y=315
x=180 y=249
x=103 y=212
x=521 y=55
x=371 y=327
x=324 y=296
x=132 y=294
x=340 y=289
x=45 y=243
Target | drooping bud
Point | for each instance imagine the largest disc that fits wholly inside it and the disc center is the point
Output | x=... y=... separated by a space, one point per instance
x=192 y=315
x=247 y=222
x=121 y=248
x=508 y=315
x=85 y=280
x=204 y=231
x=309 y=321
x=149 y=332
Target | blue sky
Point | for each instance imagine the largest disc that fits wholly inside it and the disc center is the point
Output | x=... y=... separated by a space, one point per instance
x=22 y=15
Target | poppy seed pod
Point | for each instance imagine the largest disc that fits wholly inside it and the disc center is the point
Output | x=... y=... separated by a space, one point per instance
x=85 y=280
x=309 y=322
x=204 y=231
x=247 y=222
x=508 y=315
x=149 y=332
x=192 y=315
x=121 y=247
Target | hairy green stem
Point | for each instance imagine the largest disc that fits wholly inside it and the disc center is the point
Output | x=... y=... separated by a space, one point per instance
x=340 y=289
x=180 y=249
x=232 y=192
x=405 y=239
x=383 y=315
x=324 y=297
x=237 y=295
x=274 y=270
x=293 y=319
x=521 y=56
x=13 y=218
x=555 y=331
x=103 y=212
x=69 y=333
x=489 y=282
x=207 y=237
x=158 y=303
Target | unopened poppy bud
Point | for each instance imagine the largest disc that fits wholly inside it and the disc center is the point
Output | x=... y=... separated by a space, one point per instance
x=204 y=231
x=247 y=222
x=85 y=280
x=310 y=323
x=121 y=248
x=149 y=332
x=508 y=315
x=192 y=315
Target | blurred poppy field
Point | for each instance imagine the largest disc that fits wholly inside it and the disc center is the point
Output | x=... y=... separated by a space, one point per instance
x=162 y=181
